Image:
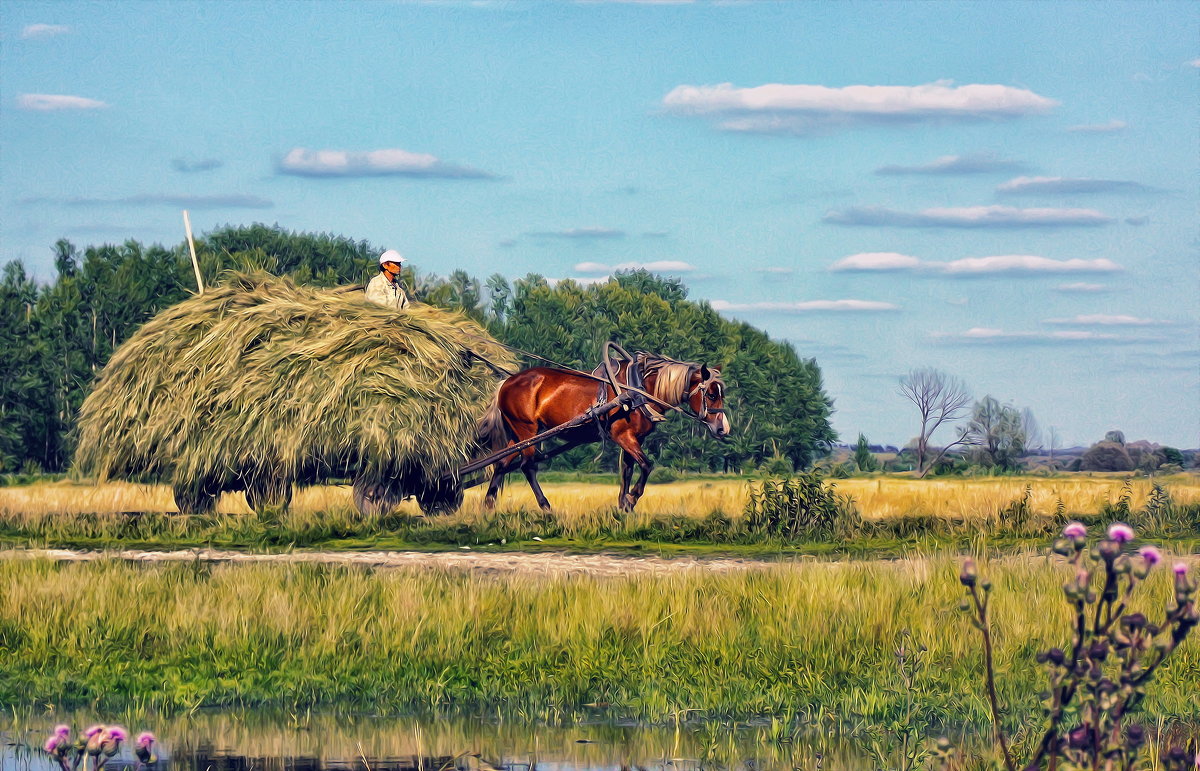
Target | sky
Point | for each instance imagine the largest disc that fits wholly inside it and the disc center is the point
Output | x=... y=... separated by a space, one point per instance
x=1007 y=192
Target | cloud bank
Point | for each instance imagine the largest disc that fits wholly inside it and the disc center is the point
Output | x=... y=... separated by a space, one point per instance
x=1107 y=320
x=204 y=164
x=1018 y=264
x=1111 y=127
x=950 y=165
x=780 y=108
x=302 y=162
x=967 y=217
x=56 y=102
x=991 y=336
x=584 y=234
x=1068 y=186
x=806 y=306
x=1081 y=287
x=42 y=31
x=234 y=201
x=655 y=266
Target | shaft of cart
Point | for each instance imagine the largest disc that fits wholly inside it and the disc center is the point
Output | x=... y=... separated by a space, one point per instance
x=591 y=414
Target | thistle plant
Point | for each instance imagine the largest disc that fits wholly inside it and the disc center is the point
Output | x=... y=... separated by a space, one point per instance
x=1101 y=677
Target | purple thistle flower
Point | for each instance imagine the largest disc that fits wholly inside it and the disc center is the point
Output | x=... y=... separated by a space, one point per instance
x=1075 y=530
x=1151 y=554
x=145 y=739
x=58 y=739
x=117 y=734
x=1120 y=532
x=93 y=730
x=1180 y=568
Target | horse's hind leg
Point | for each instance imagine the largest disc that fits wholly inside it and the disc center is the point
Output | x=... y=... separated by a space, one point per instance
x=499 y=470
x=529 y=468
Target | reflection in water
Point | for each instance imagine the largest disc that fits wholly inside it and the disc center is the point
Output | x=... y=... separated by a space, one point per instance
x=246 y=741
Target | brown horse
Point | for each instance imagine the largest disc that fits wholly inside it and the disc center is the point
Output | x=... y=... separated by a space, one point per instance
x=541 y=398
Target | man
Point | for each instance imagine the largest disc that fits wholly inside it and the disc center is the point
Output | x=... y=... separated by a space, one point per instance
x=386 y=289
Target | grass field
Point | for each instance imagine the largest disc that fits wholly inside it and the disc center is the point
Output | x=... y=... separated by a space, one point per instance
x=818 y=639
x=895 y=510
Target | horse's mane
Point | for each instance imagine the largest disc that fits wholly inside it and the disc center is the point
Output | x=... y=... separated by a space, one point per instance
x=672 y=377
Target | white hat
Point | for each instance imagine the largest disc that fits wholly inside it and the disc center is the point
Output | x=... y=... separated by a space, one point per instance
x=391 y=255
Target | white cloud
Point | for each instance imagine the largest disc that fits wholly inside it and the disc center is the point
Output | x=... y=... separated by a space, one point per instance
x=954 y=164
x=303 y=162
x=655 y=266
x=1068 y=185
x=876 y=261
x=805 y=306
x=580 y=233
x=967 y=217
x=41 y=31
x=780 y=108
x=53 y=102
x=1015 y=264
x=1107 y=320
x=1027 y=263
x=1081 y=287
x=993 y=336
x=1111 y=127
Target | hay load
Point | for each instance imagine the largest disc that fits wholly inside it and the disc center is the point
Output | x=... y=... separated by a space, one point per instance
x=259 y=384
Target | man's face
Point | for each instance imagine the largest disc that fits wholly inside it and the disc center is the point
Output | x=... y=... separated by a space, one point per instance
x=392 y=269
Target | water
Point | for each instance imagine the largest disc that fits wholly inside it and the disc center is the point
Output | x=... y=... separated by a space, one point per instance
x=252 y=741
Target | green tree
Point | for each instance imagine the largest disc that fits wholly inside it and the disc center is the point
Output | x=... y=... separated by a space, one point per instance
x=997 y=433
x=863 y=457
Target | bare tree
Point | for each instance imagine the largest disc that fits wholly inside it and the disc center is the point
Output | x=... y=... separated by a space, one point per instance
x=1033 y=432
x=1053 y=440
x=940 y=399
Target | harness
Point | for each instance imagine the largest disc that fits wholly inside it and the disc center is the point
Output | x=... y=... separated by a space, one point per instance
x=642 y=363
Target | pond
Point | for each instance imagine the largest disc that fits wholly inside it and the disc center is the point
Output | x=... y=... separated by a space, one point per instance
x=249 y=741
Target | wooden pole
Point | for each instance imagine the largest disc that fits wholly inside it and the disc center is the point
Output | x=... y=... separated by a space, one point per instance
x=187 y=225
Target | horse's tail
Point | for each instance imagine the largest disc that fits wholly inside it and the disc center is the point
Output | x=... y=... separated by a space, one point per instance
x=490 y=431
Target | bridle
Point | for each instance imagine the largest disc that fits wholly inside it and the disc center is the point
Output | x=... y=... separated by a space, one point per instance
x=703 y=387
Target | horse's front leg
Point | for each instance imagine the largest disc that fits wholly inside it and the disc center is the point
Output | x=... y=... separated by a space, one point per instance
x=624 y=502
x=644 y=469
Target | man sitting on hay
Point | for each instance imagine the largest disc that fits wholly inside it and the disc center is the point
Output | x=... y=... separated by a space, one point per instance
x=386 y=289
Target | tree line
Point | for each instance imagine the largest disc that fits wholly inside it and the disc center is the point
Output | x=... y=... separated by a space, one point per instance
x=56 y=336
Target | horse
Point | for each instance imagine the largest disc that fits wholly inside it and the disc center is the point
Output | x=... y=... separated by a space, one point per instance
x=542 y=398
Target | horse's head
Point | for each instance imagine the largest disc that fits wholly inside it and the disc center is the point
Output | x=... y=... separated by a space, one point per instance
x=706 y=397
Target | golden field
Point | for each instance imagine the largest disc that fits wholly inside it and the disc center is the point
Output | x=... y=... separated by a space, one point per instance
x=880 y=497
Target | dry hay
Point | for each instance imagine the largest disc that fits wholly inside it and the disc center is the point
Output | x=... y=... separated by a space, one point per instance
x=260 y=383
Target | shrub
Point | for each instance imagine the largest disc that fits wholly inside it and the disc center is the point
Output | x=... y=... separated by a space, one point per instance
x=1106 y=456
x=801 y=506
x=663 y=475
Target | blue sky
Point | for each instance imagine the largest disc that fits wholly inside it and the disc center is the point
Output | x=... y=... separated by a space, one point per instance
x=1004 y=191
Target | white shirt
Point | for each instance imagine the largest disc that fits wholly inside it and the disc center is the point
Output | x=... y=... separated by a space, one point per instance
x=389 y=294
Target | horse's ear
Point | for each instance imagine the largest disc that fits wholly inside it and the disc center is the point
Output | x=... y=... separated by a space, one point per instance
x=704 y=373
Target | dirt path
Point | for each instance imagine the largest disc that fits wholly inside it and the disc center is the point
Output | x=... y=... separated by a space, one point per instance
x=537 y=563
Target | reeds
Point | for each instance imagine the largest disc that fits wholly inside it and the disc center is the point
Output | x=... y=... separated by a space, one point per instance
x=801 y=638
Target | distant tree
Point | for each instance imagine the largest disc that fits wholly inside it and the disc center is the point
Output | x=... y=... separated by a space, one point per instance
x=499 y=295
x=863 y=457
x=996 y=431
x=940 y=399
x=1106 y=456
x=1172 y=455
x=1115 y=436
x=1053 y=440
x=1033 y=433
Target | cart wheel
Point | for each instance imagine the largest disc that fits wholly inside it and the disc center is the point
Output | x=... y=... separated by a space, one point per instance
x=373 y=499
x=269 y=493
x=441 y=498
x=195 y=498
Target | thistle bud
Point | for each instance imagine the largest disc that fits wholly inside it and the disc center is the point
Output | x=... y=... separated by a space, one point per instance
x=968 y=575
x=1135 y=736
x=1134 y=621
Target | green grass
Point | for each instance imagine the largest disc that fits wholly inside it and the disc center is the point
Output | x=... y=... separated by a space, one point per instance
x=812 y=639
